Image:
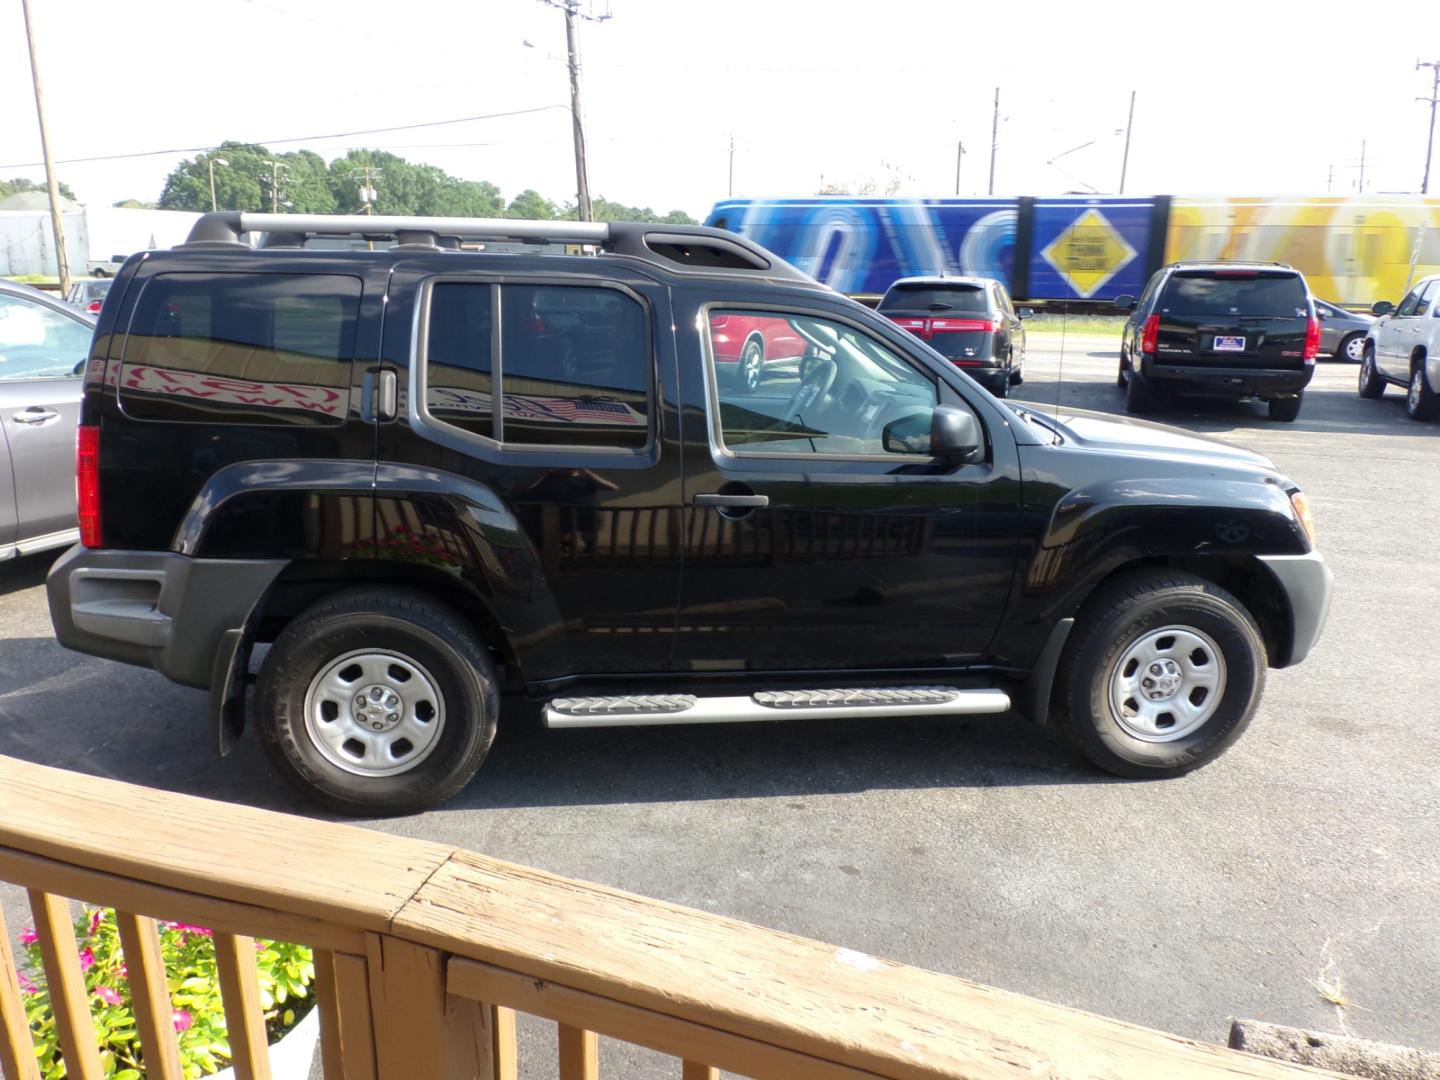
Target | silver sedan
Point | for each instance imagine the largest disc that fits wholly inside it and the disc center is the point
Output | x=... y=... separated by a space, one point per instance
x=1342 y=333
x=43 y=345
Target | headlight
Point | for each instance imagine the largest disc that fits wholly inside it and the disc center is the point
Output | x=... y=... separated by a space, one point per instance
x=1301 y=506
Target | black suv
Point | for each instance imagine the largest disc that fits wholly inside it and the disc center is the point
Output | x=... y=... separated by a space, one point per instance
x=968 y=320
x=440 y=481
x=1220 y=329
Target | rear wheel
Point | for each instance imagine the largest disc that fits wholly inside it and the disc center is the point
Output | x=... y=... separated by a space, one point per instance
x=377 y=702
x=1139 y=397
x=1352 y=349
x=1286 y=409
x=1164 y=673
x=1120 y=378
x=752 y=364
x=1000 y=386
x=1017 y=374
x=1421 y=403
x=1371 y=385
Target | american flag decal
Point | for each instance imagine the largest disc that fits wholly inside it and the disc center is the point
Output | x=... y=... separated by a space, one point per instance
x=571 y=410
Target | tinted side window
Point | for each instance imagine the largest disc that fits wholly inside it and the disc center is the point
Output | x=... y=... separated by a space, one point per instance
x=575 y=367
x=458 y=385
x=1427 y=299
x=241 y=348
x=1407 y=306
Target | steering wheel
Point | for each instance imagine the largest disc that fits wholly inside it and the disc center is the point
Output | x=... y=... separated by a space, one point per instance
x=813 y=387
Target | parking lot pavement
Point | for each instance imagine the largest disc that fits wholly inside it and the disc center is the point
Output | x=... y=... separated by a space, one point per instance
x=1310 y=854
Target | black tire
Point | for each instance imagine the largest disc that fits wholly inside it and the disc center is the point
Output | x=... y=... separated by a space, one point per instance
x=1120 y=376
x=1000 y=386
x=424 y=635
x=1286 y=409
x=1017 y=374
x=1139 y=398
x=1421 y=402
x=750 y=367
x=1147 y=604
x=1370 y=383
x=1342 y=351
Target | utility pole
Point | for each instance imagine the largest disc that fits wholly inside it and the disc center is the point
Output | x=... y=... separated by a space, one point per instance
x=55 y=223
x=994 y=139
x=730 y=189
x=959 y=157
x=1361 y=185
x=1330 y=180
x=1433 y=99
x=275 y=167
x=571 y=8
x=1125 y=160
x=212 y=161
x=368 y=173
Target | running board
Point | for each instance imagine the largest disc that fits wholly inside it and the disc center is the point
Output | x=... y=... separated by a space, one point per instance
x=638 y=710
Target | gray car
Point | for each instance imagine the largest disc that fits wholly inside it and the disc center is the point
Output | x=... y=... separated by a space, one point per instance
x=1342 y=333
x=43 y=345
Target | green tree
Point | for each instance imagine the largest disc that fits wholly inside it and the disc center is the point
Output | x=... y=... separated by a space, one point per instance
x=135 y=204
x=304 y=183
x=237 y=182
x=19 y=185
x=602 y=209
x=533 y=206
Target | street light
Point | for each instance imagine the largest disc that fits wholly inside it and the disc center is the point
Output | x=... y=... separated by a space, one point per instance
x=212 y=162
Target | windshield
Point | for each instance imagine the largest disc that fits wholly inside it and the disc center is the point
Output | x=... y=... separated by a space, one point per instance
x=1235 y=293
x=969 y=299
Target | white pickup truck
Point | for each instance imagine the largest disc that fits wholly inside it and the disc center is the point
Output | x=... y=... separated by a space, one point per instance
x=1403 y=347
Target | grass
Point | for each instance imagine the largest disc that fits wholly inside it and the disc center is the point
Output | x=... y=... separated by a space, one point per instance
x=1106 y=326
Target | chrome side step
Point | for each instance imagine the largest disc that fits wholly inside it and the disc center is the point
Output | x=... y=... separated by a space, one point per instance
x=636 y=710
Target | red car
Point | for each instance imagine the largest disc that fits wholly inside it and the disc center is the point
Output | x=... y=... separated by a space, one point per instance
x=752 y=341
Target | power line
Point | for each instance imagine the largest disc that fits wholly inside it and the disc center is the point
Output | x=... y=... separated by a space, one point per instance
x=296 y=139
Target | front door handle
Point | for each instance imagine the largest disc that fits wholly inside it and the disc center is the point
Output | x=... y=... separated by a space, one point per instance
x=733 y=502
x=35 y=415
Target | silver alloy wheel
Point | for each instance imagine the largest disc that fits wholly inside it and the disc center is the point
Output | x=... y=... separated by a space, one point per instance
x=1355 y=349
x=1417 y=385
x=1167 y=684
x=374 y=713
x=750 y=362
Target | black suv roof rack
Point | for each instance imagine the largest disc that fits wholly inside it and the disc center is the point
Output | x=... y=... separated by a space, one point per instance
x=682 y=247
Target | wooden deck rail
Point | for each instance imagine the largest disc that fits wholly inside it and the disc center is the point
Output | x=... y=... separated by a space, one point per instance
x=425 y=952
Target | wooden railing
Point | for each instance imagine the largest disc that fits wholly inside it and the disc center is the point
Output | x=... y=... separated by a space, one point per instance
x=425 y=953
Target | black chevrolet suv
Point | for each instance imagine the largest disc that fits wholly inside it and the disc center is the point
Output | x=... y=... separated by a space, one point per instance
x=446 y=484
x=1220 y=329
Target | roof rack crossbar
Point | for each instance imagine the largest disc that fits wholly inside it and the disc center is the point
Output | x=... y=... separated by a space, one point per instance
x=229 y=225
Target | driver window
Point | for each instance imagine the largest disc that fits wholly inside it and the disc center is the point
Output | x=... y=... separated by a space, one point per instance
x=37 y=343
x=800 y=384
x=1407 y=306
x=1426 y=297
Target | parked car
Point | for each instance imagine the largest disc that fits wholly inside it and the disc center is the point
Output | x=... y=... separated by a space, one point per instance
x=1403 y=347
x=1220 y=329
x=744 y=344
x=43 y=345
x=968 y=320
x=369 y=461
x=1342 y=333
x=89 y=295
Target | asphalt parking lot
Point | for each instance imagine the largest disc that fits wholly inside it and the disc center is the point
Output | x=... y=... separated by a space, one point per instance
x=1303 y=865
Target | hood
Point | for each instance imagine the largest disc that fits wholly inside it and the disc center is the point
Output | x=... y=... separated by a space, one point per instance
x=1103 y=431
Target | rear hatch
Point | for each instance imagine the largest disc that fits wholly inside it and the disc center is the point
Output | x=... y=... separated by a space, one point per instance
x=954 y=319
x=1237 y=318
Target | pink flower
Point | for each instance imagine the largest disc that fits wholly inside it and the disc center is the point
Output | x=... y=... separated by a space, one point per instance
x=87 y=960
x=107 y=995
x=27 y=986
x=125 y=971
x=187 y=928
x=96 y=918
x=181 y=1019
x=28 y=936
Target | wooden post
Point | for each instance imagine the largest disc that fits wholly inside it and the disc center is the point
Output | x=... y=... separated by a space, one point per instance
x=149 y=996
x=67 y=986
x=240 y=991
x=50 y=182
x=17 y=1055
x=579 y=1054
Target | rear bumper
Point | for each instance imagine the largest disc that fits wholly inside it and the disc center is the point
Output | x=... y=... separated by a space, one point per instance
x=155 y=609
x=1210 y=379
x=1307 y=583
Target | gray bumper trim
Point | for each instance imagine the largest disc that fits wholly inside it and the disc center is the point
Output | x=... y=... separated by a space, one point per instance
x=155 y=609
x=1308 y=583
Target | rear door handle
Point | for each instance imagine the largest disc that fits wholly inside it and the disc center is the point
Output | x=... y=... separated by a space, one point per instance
x=35 y=415
x=748 y=502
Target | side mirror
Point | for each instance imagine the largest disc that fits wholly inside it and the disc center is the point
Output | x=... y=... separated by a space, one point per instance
x=1024 y=312
x=1382 y=307
x=945 y=432
x=1321 y=313
x=1125 y=302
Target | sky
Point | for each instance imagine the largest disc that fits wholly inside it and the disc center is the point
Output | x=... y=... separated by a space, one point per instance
x=1256 y=97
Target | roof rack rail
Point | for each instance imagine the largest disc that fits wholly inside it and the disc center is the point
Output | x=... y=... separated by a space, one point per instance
x=682 y=247
x=1229 y=262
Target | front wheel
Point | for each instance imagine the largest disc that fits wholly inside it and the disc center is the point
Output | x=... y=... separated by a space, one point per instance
x=377 y=702
x=1370 y=384
x=1164 y=672
x=1421 y=403
x=1352 y=349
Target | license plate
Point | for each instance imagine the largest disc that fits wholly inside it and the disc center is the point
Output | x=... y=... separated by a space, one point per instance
x=1228 y=344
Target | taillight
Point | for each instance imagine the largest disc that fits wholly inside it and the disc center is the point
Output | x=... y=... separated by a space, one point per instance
x=93 y=307
x=1312 y=340
x=984 y=326
x=1150 y=334
x=87 y=484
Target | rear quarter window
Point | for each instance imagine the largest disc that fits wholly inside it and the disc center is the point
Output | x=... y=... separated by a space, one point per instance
x=1235 y=293
x=241 y=348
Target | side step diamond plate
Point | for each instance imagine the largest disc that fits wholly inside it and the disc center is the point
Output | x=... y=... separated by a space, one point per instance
x=878 y=695
x=647 y=704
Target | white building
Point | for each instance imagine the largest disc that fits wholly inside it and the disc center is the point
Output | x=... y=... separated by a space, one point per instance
x=93 y=235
